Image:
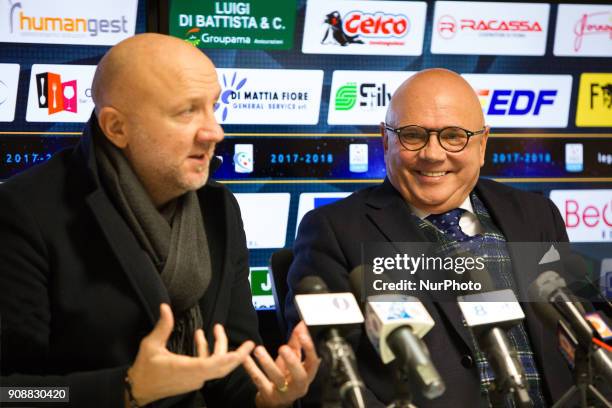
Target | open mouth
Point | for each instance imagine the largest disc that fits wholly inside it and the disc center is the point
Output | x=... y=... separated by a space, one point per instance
x=432 y=173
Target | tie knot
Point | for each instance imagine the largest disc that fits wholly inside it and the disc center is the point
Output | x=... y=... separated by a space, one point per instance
x=448 y=222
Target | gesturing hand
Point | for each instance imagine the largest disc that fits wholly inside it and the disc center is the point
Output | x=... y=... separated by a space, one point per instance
x=158 y=373
x=288 y=377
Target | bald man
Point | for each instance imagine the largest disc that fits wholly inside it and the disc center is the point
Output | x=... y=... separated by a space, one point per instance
x=434 y=140
x=122 y=261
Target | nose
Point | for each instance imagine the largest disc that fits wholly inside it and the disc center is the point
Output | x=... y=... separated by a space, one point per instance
x=433 y=152
x=209 y=131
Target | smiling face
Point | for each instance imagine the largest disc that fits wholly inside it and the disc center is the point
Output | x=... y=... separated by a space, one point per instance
x=164 y=120
x=433 y=179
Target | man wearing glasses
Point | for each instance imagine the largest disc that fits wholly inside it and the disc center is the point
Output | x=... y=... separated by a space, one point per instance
x=434 y=139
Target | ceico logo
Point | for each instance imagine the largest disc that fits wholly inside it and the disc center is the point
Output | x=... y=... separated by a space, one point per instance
x=587 y=213
x=364 y=27
x=583 y=30
x=362 y=97
x=480 y=28
x=594 y=100
x=9 y=81
x=531 y=101
x=67 y=21
x=60 y=93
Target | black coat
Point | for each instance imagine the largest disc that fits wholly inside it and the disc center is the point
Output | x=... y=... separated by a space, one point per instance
x=329 y=245
x=78 y=293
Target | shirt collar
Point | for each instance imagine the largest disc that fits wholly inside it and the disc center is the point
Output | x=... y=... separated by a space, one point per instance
x=466 y=205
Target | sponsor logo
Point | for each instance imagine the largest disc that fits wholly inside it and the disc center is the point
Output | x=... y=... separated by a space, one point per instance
x=256 y=24
x=482 y=28
x=448 y=27
x=588 y=25
x=9 y=81
x=587 y=213
x=364 y=27
x=243 y=158
x=257 y=209
x=358 y=158
x=55 y=95
x=574 y=161
x=531 y=101
x=261 y=288
x=371 y=95
x=60 y=93
x=583 y=30
x=594 y=100
x=264 y=96
x=67 y=21
x=362 y=97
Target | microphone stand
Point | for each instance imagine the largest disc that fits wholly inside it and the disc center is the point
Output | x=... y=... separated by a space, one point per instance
x=401 y=381
x=583 y=378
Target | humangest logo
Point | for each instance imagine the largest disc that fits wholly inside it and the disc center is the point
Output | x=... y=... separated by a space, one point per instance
x=364 y=27
x=583 y=30
x=67 y=21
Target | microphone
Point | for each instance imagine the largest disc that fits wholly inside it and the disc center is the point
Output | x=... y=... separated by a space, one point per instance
x=395 y=325
x=489 y=315
x=555 y=304
x=581 y=284
x=324 y=314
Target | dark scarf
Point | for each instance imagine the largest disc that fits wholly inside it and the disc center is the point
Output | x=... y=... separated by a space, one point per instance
x=174 y=238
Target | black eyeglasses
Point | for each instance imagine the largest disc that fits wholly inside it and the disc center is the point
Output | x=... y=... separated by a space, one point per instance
x=452 y=139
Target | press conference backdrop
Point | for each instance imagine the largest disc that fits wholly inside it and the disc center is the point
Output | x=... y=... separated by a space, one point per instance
x=305 y=84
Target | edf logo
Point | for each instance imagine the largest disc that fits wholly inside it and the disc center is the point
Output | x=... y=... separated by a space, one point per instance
x=516 y=102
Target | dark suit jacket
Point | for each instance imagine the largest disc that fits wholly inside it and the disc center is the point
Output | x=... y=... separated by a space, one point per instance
x=329 y=245
x=78 y=293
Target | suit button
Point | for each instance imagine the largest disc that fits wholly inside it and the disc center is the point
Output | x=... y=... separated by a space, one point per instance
x=467 y=361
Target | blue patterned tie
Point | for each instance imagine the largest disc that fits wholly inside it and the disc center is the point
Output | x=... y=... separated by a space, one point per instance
x=448 y=223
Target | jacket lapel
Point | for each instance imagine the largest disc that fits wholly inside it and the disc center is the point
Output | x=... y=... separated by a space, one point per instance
x=140 y=271
x=213 y=210
x=391 y=215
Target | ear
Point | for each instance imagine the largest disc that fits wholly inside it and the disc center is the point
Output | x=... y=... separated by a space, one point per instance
x=385 y=138
x=483 y=144
x=113 y=124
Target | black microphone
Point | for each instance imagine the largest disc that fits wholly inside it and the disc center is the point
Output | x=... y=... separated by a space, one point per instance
x=556 y=304
x=324 y=313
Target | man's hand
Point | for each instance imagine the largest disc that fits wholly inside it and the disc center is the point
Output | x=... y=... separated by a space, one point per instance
x=157 y=373
x=287 y=378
